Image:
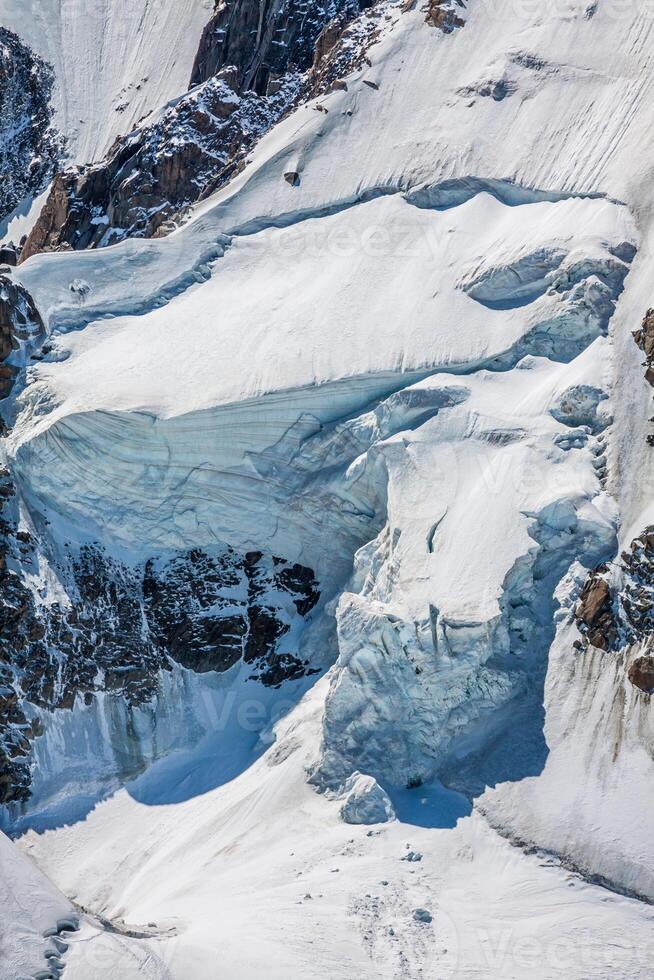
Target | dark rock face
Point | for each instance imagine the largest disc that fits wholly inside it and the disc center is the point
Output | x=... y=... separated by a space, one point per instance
x=118 y=626
x=645 y=340
x=622 y=615
x=20 y=321
x=265 y=40
x=157 y=171
x=257 y=60
x=612 y=617
x=267 y=582
x=637 y=595
x=15 y=729
x=594 y=613
x=30 y=147
x=641 y=674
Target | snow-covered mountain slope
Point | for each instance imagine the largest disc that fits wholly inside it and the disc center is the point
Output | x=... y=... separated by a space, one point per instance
x=408 y=371
x=456 y=311
x=114 y=60
x=264 y=870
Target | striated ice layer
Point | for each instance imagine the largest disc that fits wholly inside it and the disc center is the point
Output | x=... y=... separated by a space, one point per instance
x=209 y=418
x=447 y=434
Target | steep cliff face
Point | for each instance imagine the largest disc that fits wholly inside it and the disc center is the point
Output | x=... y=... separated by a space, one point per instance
x=90 y=625
x=30 y=146
x=21 y=327
x=264 y=41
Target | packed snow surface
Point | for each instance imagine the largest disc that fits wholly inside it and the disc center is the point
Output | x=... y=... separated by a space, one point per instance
x=262 y=870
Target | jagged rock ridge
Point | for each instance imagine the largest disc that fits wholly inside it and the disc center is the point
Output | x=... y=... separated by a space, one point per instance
x=616 y=607
x=30 y=146
x=20 y=321
x=265 y=40
x=155 y=172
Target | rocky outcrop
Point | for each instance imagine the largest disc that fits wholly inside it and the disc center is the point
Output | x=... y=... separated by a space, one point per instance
x=443 y=14
x=85 y=624
x=20 y=321
x=266 y=40
x=114 y=628
x=636 y=597
x=641 y=674
x=30 y=146
x=49 y=232
x=15 y=729
x=158 y=170
x=644 y=337
x=594 y=613
x=616 y=608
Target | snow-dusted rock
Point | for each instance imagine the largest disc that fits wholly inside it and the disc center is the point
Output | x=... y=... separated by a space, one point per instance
x=30 y=146
x=114 y=61
x=422 y=915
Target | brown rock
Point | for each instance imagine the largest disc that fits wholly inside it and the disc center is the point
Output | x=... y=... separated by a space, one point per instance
x=440 y=14
x=594 y=613
x=645 y=340
x=46 y=234
x=641 y=674
x=327 y=39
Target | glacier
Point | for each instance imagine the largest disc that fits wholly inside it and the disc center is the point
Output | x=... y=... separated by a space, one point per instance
x=409 y=370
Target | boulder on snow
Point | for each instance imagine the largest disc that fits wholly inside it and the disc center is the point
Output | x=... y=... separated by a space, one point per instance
x=442 y=14
x=422 y=915
x=641 y=674
x=366 y=801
